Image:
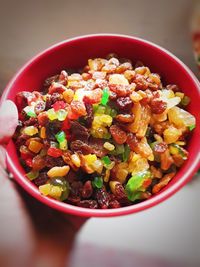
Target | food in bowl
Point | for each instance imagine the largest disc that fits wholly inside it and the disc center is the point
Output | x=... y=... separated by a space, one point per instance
x=108 y=136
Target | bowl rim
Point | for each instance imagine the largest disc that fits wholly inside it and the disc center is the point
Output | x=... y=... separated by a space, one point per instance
x=85 y=212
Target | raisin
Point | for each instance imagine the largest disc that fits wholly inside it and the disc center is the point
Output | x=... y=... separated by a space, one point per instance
x=78 y=107
x=76 y=188
x=41 y=179
x=39 y=162
x=90 y=204
x=52 y=162
x=94 y=97
x=160 y=147
x=80 y=146
x=72 y=176
x=118 y=89
x=55 y=97
x=141 y=83
x=21 y=140
x=102 y=198
x=118 y=134
x=96 y=145
x=132 y=141
x=173 y=87
x=78 y=131
x=31 y=122
x=90 y=115
x=51 y=79
x=113 y=95
x=87 y=189
x=125 y=118
x=158 y=106
x=120 y=194
x=22 y=99
x=124 y=103
x=39 y=107
x=114 y=204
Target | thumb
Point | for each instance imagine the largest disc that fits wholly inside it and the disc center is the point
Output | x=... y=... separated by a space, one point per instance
x=8 y=120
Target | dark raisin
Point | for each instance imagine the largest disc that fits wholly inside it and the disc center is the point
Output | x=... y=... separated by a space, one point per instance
x=78 y=131
x=90 y=115
x=124 y=103
x=132 y=141
x=79 y=145
x=96 y=145
x=118 y=134
x=87 y=189
x=76 y=188
x=90 y=204
x=48 y=102
x=120 y=193
x=55 y=97
x=51 y=79
x=72 y=176
x=114 y=204
x=31 y=122
x=21 y=140
x=102 y=197
x=41 y=179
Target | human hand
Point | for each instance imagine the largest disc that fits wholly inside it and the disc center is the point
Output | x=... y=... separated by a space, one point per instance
x=46 y=235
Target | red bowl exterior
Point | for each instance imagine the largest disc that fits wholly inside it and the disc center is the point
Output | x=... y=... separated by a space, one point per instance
x=73 y=53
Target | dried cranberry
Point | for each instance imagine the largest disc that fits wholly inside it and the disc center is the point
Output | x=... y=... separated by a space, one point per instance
x=79 y=145
x=39 y=107
x=102 y=198
x=124 y=103
x=78 y=131
x=41 y=179
x=160 y=147
x=158 y=106
x=118 y=134
x=87 y=189
x=90 y=115
x=90 y=204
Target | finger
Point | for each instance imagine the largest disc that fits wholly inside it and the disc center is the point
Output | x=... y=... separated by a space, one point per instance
x=8 y=120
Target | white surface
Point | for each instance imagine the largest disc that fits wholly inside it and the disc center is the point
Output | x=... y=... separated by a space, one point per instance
x=171 y=229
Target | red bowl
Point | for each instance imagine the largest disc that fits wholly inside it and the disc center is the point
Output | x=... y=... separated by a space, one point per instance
x=73 y=53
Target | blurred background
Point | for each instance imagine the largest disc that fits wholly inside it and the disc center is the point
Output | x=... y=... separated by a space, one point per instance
x=171 y=229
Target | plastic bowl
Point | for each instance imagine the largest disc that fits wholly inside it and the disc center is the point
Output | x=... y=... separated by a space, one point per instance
x=74 y=53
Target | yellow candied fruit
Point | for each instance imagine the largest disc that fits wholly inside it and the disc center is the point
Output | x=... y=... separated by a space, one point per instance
x=45 y=189
x=179 y=94
x=43 y=132
x=58 y=171
x=52 y=115
x=171 y=134
x=99 y=132
x=35 y=146
x=63 y=145
x=55 y=192
x=68 y=95
x=181 y=143
x=97 y=166
x=107 y=176
x=108 y=146
x=173 y=150
x=112 y=185
x=90 y=158
x=105 y=120
x=30 y=130
x=76 y=160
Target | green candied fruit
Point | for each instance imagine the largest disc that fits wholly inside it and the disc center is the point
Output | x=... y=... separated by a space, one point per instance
x=61 y=114
x=100 y=109
x=97 y=182
x=32 y=175
x=126 y=153
x=60 y=136
x=185 y=101
x=135 y=184
x=106 y=160
x=30 y=111
x=63 y=184
x=105 y=96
